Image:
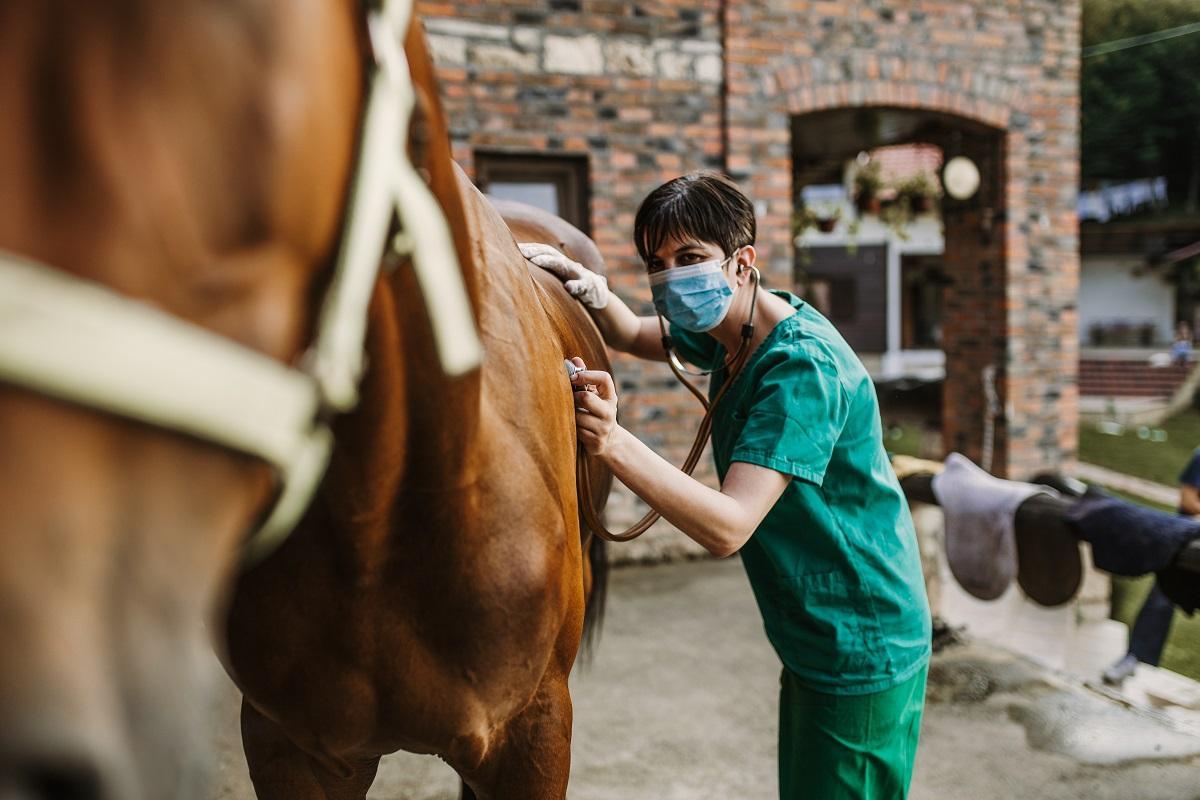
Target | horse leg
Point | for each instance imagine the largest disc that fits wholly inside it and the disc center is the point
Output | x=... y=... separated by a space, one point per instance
x=281 y=771
x=531 y=756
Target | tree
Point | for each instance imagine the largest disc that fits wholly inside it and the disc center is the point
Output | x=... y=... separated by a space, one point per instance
x=1141 y=106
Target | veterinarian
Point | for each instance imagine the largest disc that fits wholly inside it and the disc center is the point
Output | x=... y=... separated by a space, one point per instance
x=807 y=495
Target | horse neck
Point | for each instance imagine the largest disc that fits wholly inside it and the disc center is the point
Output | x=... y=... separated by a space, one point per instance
x=443 y=411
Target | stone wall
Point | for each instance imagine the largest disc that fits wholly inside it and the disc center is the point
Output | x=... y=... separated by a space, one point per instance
x=645 y=89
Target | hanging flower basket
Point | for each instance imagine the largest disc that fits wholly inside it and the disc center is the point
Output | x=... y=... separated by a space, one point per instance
x=868 y=184
x=922 y=191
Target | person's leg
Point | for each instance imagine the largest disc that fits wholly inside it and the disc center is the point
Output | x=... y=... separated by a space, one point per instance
x=848 y=747
x=1151 y=628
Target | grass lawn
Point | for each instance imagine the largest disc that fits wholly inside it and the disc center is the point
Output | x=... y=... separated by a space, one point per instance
x=1155 y=461
x=903 y=440
x=1141 y=501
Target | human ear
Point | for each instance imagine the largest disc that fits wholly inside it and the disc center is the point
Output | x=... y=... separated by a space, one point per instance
x=745 y=260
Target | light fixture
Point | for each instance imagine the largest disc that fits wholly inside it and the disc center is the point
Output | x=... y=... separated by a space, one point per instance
x=961 y=178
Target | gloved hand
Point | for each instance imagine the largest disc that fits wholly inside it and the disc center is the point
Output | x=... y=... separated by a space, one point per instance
x=580 y=282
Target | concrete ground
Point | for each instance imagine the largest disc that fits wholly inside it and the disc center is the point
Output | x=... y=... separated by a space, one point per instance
x=680 y=703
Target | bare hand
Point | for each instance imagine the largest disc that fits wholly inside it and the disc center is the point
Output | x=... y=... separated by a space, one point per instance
x=595 y=407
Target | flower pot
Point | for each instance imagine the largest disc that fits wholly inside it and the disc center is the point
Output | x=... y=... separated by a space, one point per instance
x=868 y=204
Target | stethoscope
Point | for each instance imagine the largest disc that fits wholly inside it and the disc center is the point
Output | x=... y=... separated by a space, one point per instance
x=591 y=517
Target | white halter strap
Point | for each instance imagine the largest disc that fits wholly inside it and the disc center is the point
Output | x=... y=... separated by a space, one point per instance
x=81 y=342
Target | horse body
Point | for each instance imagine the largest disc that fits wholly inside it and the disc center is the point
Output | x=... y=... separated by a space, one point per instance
x=433 y=599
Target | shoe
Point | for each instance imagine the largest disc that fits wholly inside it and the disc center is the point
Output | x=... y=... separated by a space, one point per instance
x=946 y=635
x=1118 y=672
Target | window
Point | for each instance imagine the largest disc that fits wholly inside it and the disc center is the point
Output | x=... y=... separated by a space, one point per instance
x=558 y=184
x=922 y=302
x=835 y=298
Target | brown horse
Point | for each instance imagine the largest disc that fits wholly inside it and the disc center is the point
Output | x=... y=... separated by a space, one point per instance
x=196 y=156
x=433 y=599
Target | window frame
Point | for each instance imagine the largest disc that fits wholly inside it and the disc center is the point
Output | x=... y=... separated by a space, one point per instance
x=569 y=174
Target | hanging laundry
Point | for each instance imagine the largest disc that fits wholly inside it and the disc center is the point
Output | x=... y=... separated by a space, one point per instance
x=980 y=542
x=1128 y=539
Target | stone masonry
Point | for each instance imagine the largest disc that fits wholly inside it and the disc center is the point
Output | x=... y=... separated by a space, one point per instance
x=650 y=89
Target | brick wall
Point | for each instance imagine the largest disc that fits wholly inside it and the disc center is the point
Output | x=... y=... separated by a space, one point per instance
x=639 y=88
x=1010 y=66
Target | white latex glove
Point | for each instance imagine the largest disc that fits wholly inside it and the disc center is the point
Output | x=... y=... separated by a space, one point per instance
x=580 y=282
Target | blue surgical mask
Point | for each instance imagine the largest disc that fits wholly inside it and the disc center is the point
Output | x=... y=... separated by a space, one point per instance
x=696 y=297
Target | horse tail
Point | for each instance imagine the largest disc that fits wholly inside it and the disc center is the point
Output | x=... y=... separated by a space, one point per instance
x=593 y=612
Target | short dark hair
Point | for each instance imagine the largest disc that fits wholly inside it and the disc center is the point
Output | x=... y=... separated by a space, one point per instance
x=706 y=205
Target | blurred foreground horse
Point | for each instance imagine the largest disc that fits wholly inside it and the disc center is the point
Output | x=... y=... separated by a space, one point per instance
x=188 y=171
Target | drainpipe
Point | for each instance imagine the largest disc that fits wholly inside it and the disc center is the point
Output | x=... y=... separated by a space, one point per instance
x=723 y=35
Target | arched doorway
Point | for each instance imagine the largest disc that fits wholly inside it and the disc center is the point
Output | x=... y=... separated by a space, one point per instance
x=919 y=292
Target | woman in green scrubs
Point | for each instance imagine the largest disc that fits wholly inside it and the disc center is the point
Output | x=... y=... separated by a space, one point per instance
x=807 y=495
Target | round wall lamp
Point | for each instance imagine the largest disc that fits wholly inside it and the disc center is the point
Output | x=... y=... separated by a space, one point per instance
x=961 y=178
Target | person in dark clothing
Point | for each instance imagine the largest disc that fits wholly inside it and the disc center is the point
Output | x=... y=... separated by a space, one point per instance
x=1153 y=624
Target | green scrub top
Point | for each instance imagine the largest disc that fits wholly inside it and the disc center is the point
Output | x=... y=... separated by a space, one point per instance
x=834 y=565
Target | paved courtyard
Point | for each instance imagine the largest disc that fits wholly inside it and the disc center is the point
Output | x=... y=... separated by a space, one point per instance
x=680 y=702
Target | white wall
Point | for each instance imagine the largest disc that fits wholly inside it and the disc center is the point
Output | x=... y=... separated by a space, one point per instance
x=1109 y=292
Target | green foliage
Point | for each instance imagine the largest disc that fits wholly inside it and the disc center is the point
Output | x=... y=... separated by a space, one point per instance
x=919 y=186
x=903 y=440
x=868 y=179
x=1160 y=462
x=1141 y=106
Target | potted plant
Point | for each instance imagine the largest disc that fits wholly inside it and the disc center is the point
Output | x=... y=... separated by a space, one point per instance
x=826 y=216
x=868 y=183
x=822 y=217
x=921 y=189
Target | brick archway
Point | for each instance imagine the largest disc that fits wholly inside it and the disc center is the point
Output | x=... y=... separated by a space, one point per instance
x=974 y=326
x=876 y=93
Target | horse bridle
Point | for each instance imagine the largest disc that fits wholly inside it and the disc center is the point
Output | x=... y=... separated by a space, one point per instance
x=81 y=342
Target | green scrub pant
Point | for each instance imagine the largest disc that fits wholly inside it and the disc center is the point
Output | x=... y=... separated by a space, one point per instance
x=848 y=747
